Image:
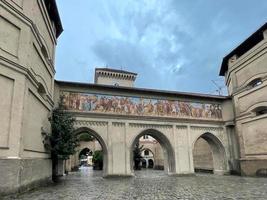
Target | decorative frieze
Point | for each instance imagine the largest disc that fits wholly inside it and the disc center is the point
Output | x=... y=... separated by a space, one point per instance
x=152 y=126
x=118 y=124
x=91 y=123
x=181 y=127
x=139 y=106
x=206 y=128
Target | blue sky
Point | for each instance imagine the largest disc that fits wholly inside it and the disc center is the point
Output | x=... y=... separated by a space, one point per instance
x=171 y=44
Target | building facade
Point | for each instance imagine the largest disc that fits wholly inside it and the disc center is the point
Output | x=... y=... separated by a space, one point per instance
x=116 y=113
x=28 y=37
x=245 y=71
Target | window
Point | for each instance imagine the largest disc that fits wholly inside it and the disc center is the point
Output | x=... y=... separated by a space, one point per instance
x=261 y=110
x=254 y=83
x=44 y=51
x=41 y=90
x=146 y=152
x=145 y=136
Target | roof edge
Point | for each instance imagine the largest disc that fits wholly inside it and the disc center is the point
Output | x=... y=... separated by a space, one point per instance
x=115 y=70
x=54 y=15
x=244 y=47
x=151 y=91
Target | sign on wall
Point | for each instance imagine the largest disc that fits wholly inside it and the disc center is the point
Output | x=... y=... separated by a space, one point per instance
x=139 y=106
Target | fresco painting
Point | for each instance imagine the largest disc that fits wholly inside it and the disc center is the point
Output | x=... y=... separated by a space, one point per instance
x=100 y=103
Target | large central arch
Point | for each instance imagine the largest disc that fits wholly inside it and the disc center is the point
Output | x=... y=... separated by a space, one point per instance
x=100 y=140
x=168 y=150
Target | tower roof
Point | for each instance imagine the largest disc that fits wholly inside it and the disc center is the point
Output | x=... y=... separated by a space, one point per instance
x=115 y=70
x=52 y=10
x=244 y=47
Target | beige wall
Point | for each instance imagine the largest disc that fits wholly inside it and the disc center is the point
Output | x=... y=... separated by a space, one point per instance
x=202 y=155
x=24 y=67
x=113 y=81
x=250 y=129
x=108 y=77
x=26 y=35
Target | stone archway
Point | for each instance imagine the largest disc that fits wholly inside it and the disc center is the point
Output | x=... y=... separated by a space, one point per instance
x=147 y=155
x=168 y=151
x=84 y=154
x=101 y=142
x=85 y=151
x=219 y=160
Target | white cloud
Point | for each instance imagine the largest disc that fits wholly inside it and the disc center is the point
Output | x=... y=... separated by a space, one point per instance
x=174 y=42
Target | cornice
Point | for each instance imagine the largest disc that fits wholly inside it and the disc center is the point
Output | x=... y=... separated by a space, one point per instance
x=152 y=126
x=90 y=123
x=206 y=128
x=148 y=118
x=118 y=124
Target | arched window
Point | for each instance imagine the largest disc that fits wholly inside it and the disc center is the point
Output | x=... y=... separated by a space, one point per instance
x=260 y=110
x=41 y=90
x=146 y=152
x=44 y=51
x=254 y=83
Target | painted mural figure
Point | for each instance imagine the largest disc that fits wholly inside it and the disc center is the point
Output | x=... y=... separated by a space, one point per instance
x=84 y=102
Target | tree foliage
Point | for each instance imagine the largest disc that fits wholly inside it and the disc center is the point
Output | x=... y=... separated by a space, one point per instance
x=61 y=141
x=98 y=160
x=137 y=155
x=85 y=137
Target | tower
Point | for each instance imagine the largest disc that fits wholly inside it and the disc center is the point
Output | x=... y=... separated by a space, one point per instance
x=245 y=71
x=108 y=76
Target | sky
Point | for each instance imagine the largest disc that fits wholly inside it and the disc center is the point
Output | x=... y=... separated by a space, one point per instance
x=172 y=44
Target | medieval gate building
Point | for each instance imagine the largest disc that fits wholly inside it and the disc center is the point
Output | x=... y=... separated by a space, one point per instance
x=119 y=114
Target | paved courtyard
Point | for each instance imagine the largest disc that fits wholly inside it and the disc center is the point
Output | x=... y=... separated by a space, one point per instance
x=150 y=184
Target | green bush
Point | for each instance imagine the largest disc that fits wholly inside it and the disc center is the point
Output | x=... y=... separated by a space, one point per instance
x=85 y=137
x=98 y=160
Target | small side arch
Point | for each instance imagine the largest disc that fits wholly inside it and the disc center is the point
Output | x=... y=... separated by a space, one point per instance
x=218 y=152
x=100 y=140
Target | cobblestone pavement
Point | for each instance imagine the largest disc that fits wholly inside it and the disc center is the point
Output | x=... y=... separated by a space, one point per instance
x=150 y=184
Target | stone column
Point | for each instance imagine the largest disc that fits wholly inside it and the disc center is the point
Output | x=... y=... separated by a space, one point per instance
x=109 y=167
x=127 y=151
x=185 y=154
x=175 y=138
x=119 y=149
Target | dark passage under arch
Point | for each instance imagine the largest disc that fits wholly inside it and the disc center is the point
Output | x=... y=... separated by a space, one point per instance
x=168 y=151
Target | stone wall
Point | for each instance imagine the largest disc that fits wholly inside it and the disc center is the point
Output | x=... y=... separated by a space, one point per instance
x=18 y=175
x=27 y=46
x=246 y=78
x=202 y=156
